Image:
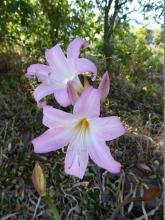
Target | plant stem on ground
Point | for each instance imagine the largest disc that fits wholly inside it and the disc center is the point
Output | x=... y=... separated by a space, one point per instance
x=52 y=207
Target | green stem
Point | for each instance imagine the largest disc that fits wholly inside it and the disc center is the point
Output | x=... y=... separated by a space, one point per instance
x=52 y=207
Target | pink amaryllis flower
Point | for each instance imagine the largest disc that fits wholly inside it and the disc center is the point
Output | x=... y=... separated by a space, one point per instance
x=84 y=132
x=103 y=89
x=60 y=71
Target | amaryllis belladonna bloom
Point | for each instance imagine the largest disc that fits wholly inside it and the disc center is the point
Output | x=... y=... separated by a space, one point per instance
x=60 y=71
x=84 y=132
x=103 y=89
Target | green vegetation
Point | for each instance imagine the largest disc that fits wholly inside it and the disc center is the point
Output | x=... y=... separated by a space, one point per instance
x=133 y=56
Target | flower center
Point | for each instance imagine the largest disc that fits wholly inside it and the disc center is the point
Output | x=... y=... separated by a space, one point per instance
x=59 y=82
x=83 y=124
x=82 y=127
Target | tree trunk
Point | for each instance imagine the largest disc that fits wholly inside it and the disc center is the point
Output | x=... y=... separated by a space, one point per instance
x=109 y=26
x=106 y=35
x=107 y=53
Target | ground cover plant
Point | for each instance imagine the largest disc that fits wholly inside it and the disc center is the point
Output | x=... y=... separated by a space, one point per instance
x=135 y=95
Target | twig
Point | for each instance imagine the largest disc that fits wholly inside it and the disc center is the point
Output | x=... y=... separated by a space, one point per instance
x=132 y=204
x=9 y=216
x=125 y=202
x=102 y=192
x=136 y=199
x=152 y=212
x=36 y=208
x=143 y=208
x=144 y=211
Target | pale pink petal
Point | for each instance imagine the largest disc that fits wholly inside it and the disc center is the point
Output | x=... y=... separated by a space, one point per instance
x=62 y=97
x=56 y=118
x=39 y=70
x=104 y=86
x=100 y=154
x=72 y=93
x=76 y=159
x=51 y=140
x=84 y=65
x=77 y=85
x=43 y=90
x=88 y=103
x=107 y=128
x=75 y=164
x=57 y=61
x=73 y=49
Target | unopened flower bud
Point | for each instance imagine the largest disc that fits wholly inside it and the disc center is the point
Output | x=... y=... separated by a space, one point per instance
x=38 y=179
x=72 y=93
x=104 y=86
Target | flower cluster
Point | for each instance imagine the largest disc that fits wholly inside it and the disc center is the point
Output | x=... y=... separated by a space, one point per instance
x=83 y=131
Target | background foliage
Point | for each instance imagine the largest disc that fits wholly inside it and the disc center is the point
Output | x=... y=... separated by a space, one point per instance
x=133 y=55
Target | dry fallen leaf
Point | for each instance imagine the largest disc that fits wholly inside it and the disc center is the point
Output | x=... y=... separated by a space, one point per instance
x=151 y=194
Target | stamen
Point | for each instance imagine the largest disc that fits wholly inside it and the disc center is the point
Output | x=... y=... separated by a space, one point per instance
x=83 y=124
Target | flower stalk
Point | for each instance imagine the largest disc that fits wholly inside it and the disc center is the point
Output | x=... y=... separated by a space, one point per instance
x=52 y=207
x=39 y=182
